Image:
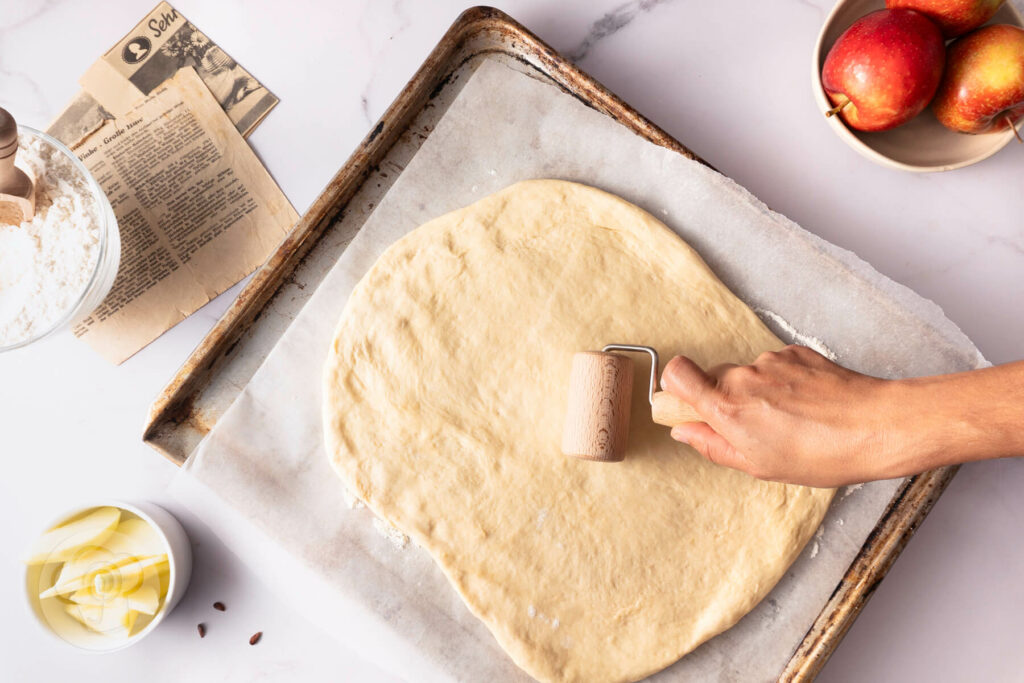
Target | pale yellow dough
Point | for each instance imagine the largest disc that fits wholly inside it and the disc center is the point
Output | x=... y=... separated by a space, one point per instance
x=444 y=394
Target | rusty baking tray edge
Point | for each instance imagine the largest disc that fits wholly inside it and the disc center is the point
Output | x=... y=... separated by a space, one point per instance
x=172 y=407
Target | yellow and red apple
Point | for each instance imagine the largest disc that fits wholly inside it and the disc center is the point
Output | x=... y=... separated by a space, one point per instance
x=954 y=17
x=983 y=87
x=884 y=69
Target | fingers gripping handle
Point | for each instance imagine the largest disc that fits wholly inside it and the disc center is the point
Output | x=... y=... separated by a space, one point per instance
x=600 y=391
x=668 y=410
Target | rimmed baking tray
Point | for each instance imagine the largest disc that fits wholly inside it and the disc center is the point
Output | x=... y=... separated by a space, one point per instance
x=213 y=375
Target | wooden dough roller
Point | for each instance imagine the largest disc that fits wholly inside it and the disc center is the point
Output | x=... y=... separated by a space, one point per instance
x=600 y=391
x=17 y=189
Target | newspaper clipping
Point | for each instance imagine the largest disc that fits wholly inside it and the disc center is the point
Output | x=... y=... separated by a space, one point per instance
x=163 y=42
x=160 y=124
x=155 y=50
x=196 y=209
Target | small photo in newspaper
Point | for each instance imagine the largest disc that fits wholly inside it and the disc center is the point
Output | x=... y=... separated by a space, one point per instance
x=152 y=52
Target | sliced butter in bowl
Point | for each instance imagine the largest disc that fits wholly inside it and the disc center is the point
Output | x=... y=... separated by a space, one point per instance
x=62 y=542
x=105 y=576
x=115 y=620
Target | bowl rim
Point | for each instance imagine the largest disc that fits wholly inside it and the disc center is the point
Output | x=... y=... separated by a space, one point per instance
x=31 y=601
x=866 y=150
x=105 y=215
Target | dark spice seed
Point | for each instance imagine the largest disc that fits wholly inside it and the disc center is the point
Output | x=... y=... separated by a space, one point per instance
x=202 y=630
x=219 y=606
x=256 y=637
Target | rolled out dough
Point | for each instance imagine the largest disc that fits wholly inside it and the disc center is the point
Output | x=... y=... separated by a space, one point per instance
x=444 y=395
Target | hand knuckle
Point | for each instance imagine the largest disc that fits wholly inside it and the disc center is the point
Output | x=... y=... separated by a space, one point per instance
x=725 y=409
x=742 y=377
x=747 y=372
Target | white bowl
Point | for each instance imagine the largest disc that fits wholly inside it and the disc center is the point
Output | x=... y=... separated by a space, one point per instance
x=54 y=620
x=105 y=271
x=922 y=144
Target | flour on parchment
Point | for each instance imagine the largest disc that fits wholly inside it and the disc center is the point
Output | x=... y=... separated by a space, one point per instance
x=803 y=339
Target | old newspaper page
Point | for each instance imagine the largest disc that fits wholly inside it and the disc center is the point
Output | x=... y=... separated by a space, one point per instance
x=196 y=209
x=159 y=45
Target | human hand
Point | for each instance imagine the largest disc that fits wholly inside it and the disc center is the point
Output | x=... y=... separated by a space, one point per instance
x=791 y=416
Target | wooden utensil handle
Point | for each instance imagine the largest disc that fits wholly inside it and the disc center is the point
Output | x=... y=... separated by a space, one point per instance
x=670 y=411
x=17 y=189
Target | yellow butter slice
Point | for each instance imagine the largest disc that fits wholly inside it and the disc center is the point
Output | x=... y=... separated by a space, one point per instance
x=136 y=538
x=133 y=539
x=115 y=619
x=107 y=579
x=145 y=598
x=63 y=542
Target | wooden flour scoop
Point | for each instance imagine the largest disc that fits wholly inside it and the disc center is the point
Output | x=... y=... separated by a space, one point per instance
x=17 y=190
x=600 y=390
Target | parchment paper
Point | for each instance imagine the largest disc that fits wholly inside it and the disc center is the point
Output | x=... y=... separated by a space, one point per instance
x=262 y=480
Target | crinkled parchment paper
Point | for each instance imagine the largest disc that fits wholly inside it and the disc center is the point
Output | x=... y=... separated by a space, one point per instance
x=263 y=482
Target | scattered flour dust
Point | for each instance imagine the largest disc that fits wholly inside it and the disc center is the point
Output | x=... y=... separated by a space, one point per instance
x=850 y=489
x=46 y=263
x=818 y=535
x=805 y=340
x=816 y=546
x=397 y=538
x=534 y=614
x=350 y=499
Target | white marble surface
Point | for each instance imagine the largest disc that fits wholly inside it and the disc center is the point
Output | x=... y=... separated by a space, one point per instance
x=731 y=81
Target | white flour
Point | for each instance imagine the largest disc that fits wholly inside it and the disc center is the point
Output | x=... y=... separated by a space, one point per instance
x=397 y=538
x=46 y=263
x=850 y=489
x=798 y=338
x=818 y=535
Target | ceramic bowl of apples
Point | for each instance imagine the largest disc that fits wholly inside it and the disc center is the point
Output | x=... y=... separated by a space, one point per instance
x=922 y=85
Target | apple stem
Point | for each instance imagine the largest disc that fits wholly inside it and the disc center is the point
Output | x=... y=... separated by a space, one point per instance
x=836 y=109
x=1013 y=129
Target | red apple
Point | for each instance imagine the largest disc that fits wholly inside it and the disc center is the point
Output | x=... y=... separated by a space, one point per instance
x=983 y=88
x=954 y=17
x=884 y=69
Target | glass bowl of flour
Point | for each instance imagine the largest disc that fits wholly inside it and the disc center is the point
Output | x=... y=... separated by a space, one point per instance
x=56 y=268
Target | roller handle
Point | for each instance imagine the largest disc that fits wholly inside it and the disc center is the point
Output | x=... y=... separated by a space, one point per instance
x=670 y=411
x=17 y=190
x=8 y=134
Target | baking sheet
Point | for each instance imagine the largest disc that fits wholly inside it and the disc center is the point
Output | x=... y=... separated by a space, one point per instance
x=263 y=480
